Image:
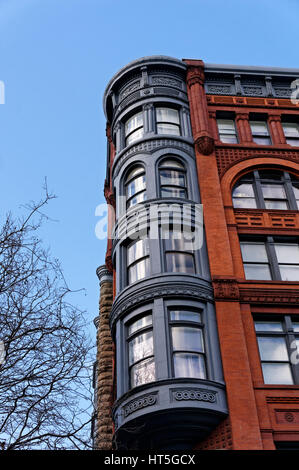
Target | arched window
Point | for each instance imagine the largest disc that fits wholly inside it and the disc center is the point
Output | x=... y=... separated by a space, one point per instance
x=135 y=186
x=172 y=176
x=267 y=189
x=134 y=128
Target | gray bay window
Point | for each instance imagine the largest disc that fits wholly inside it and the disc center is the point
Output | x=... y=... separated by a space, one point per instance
x=138 y=261
x=172 y=175
x=135 y=186
x=141 y=351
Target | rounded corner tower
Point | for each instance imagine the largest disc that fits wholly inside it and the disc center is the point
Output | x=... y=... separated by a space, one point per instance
x=168 y=388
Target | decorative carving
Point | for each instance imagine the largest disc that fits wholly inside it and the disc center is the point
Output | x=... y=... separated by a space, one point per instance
x=226 y=289
x=282 y=92
x=195 y=394
x=288 y=416
x=141 y=402
x=166 y=81
x=219 y=89
x=270 y=296
x=204 y=144
x=253 y=90
x=133 y=87
x=195 y=75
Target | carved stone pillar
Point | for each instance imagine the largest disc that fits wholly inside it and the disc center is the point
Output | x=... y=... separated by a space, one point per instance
x=213 y=125
x=203 y=139
x=105 y=354
x=243 y=127
x=275 y=126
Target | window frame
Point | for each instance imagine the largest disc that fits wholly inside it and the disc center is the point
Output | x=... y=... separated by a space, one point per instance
x=290 y=138
x=129 y=134
x=182 y=170
x=256 y=180
x=198 y=325
x=173 y=124
x=289 y=335
x=227 y=133
x=171 y=251
x=138 y=260
x=127 y=182
x=257 y=135
x=130 y=337
x=273 y=263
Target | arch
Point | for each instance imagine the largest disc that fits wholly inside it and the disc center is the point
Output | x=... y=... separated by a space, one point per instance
x=241 y=168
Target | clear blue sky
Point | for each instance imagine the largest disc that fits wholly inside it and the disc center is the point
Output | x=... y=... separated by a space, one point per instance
x=56 y=57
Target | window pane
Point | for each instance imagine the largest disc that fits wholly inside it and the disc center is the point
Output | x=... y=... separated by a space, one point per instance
x=243 y=190
x=239 y=202
x=133 y=123
x=141 y=197
x=289 y=272
x=141 y=347
x=257 y=272
x=259 y=128
x=262 y=140
x=226 y=125
x=166 y=128
x=254 y=252
x=276 y=205
x=174 y=177
x=186 y=338
x=287 y=253
x=273 y=348
x=171 y=163
x=139 y=270
x=143 y=372
x=273 y=191
x=295 y=326
x=134 y=172
x=176 y=241
x=180 y=263
x=291 y=129
x=228 y=139
x=189 y=365
x=185 y=315
x=270 y=175
x=277 y=374
x=138 y=184
x=134 y=136
x=137 y=250
x=173 y=192
x=167 y=115
x=268 y=326
x=140 y=323
x=294 y=142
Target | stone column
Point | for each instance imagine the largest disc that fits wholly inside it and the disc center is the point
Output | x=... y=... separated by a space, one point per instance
x=105 y=360
x=243 y=128
x=276 y=129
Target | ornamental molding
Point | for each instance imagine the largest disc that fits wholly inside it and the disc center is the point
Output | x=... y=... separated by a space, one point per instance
x=226 y=289
x=149 y=293
x=167 y=81
x=139 y=403
x=204 y=144
x=104 y=274
x=149 y=147
x=195 y=394
x=285 y=400
x=271 y=295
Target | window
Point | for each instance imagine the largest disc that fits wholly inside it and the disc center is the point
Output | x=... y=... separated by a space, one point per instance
x=135 y=186
x=179 y=257
x=134 y=128
x=278 y=342
x=291 y=132
x=168 y=121
x=267 y=189
x=271 y=259
x=260 y=132
x=138 y=263
x=187 y=341
x=227 y=131
x=172 y=176
x=141 y=351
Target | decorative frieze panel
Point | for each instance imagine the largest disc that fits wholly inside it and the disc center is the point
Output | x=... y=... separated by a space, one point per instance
x=267 y=220
x=139 y=403
x=194 y=394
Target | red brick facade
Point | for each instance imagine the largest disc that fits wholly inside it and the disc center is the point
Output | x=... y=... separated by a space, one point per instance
x=259 y=414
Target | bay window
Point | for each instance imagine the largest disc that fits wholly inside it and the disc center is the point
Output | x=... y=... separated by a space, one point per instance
x=187 y=342
x=138 y=261
x=172 y=176
x=141 y=351
x=167 y=121
x=135 y=186
x=179 y=253
x=134 y=128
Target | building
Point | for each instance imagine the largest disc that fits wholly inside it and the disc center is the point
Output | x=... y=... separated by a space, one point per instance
x=197 y=347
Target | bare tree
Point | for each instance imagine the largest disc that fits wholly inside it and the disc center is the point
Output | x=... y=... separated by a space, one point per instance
x=45 y=392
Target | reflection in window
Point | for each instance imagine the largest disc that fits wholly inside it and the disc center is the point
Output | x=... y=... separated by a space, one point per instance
x=277 y=340
x=187 y=344
x=227 y=131
x=134 y=128
x=260 y=132
x=291 y=132
x=179 y=253
x=141 y=351
x=135 y=186
x=273 y=258
x=172 y=179
x=267 y=189
x=138 y=265
x=168 y=121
